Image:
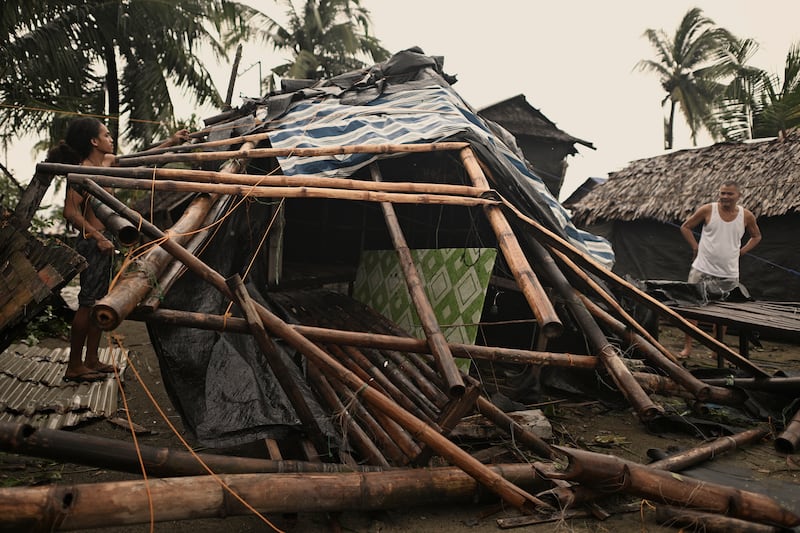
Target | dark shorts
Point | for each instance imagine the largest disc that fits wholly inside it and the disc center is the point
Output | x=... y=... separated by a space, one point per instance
x=97 y=276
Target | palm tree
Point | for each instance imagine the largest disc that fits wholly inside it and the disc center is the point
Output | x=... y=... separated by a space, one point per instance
x=689 y=66
x=777 y=105
x=325 y=38
x=114 y=57
x=733 y=113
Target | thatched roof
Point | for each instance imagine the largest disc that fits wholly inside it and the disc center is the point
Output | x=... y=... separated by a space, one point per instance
x=520 y=118
x=670 y=187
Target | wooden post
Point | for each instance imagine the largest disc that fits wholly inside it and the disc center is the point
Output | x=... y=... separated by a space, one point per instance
x=438 y=344
x=512 y=494
x=526 y=279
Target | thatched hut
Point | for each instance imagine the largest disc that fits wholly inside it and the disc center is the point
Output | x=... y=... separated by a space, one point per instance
x=543 y=144
x=641 y=207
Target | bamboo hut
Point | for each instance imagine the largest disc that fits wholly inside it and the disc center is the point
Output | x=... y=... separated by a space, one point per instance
x=362 y=263
x=640 y=208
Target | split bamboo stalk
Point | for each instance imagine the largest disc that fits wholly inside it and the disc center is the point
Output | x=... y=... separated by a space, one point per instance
x=373 y=340
x=134 y=284
x=119 y=455
x=258 y=153
x=430 y=325
x=789 y=438
x=506 y=240
x=609 y=474
x=273 y=180
x=265 y=191
x=451 y=415
x=73 y=507
x=352 y=433
x=512 y=427
x=609 y=354
x=556 y=242
x=510 y=493
x=688 y=520
x=699 y=389
x=277 y=361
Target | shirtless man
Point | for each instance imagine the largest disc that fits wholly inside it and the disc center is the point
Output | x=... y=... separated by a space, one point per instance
x=716 y=256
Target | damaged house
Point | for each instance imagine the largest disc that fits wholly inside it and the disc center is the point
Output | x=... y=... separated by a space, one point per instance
x=362 y=264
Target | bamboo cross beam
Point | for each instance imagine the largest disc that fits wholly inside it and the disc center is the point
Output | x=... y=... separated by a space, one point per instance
x=439 y=348
x=257 y=153
x=275 y=180
x=373 y=340
x=254 y=138
x=509 y=492
x=556 y=242
x=526 y=279
x=264 y=191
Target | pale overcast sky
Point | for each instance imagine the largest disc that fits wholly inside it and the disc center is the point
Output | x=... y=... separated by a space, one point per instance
x=573 y=60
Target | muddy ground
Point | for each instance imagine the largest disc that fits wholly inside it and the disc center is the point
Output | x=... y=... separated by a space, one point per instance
x=577 y=421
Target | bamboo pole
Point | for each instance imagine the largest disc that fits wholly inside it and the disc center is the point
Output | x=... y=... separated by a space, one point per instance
x=265 y=191
x=688 y=520
x=699 y=389
x=126 y=233
x=258 y=153
x=512 y=427
x=276 y=360
x=114 y=504
x=610 y=474
x=373 y=340
x=512 y=494
x=115 y=454
x=556 y=242
x=694 y=456
x=430 y=325
x=789 y=438
x=609 y=354
x=273 y=180
x=613 y=304
x=135 y=283
x=526 y=279
x=351 y=432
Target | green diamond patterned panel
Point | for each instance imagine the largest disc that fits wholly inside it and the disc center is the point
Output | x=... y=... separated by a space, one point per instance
x=455 y=280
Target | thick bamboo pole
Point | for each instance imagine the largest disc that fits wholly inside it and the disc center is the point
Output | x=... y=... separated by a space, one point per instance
x=135 y=283
x=512 y=494
x=694 y=456
x=273 y=180
x=266 y=191
x=789 y=438
x=374 y=340
x=430 y=325
x=257 y=153
x=555 y=241
x=120 y=455
x=609 y=354
x=506 y=240
x=702 y=391
x=609 y=474
x=96 y=505
x=512 y=427
x=126 y=233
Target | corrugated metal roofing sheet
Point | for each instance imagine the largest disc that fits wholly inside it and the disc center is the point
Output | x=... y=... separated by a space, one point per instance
x=32 y=390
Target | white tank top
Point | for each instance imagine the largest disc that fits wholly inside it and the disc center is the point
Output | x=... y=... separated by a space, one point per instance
x=720 y=241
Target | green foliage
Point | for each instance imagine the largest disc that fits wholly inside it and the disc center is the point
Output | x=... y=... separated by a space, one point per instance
x=67 y=57
x=46 y=325
x=325 y=38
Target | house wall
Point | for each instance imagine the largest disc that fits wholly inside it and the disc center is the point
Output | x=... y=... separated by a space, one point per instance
x=647 y=249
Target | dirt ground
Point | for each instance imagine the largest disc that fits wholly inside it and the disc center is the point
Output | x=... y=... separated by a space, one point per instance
x=583 y=422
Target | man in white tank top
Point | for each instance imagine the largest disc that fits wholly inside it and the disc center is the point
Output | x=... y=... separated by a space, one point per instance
x=716 y=257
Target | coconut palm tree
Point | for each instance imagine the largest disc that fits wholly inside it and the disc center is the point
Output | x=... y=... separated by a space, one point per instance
x=325 y=38
x=114 y=57
x=777 y=104
x=690 y=65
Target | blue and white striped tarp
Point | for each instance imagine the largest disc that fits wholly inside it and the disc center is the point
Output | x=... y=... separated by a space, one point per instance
x=413 y=115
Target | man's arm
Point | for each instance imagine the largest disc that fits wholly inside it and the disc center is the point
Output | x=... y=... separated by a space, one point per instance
x=687 y=228
x=74 y=214
x=753 y=231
